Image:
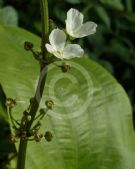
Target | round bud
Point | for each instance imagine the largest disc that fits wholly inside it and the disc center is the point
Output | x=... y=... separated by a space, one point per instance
x=28 y=45
x=65 y=67
x=10 y=102
x=29 y=118
x=38 y=136
x=12 y=138
x=49 y=104
x=48 y=136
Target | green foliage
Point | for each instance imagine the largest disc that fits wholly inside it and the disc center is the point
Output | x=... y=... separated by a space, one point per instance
x=94 y=132
x=103 y=15
x=116 y=4
x=112 y=45
x=8 y=15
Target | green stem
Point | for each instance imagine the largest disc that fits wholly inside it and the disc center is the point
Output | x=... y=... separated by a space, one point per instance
x=40 y=87
x=22 y=154
x=45 y=24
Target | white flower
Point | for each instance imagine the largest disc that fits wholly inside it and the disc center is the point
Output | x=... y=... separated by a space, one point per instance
x=75 y=27
x=58 y=47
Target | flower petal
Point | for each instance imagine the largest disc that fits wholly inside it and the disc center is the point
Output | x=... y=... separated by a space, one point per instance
x=86 y=29
x=56 y=53
x=49 y=48
x=74 y=20
x=57 y=39
x=72 y=50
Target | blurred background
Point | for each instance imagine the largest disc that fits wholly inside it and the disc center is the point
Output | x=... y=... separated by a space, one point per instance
x=113 y=44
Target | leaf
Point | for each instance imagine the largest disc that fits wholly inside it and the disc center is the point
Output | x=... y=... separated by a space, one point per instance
x=8 y=16
x=107 y=65
x=129 y=5
x=119 y=49
x=103 y=15
x=97 y=41
x=130 y=17
x=91 y=121
x=115 y=4
x=74 y=1
x=1 y=3
x=59 y=12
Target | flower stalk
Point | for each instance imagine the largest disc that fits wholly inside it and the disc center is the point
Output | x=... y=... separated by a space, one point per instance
x=34 y=104
x=45 y=24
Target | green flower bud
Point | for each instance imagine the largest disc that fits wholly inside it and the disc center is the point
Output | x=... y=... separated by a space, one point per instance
x=65 y=67
x=29 y=118
x=10 y=102
x=38 y=136
x=24 y=123
x=28 y=45
x=48 y=136
x=49 y=104
x=12 y=138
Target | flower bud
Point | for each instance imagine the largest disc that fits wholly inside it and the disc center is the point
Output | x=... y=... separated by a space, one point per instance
x=28 y=118
x=49 y=104
x=10 y=102
x=38 y=136
x=12 y=138
x=28 y=45
x=48 y=136
x=65 y=67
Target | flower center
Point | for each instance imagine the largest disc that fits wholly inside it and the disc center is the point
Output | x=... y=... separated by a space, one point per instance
x=59 y=53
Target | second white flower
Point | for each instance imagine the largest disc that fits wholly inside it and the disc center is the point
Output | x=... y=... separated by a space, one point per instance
x=75 y=27
x=59 y=48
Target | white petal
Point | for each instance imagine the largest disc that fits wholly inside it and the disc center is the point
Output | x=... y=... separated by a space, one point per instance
x=74 y=20
x=72 y=50
x=86 y=29
x=57 y=39
x=49 y=48
x=56 y=53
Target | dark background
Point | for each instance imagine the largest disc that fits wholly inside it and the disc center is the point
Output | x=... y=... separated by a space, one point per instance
x=113 y=45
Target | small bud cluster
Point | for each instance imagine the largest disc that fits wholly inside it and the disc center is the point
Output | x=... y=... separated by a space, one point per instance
x=20 y=127
x=10 y=102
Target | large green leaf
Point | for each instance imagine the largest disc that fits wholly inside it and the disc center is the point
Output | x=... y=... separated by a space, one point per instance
x=91 y=121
